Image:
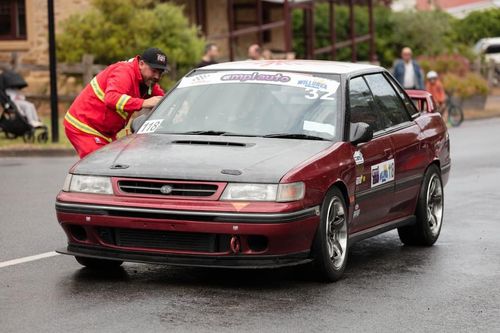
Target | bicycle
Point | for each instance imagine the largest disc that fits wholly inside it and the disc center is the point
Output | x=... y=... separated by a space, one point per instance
x=455 y=112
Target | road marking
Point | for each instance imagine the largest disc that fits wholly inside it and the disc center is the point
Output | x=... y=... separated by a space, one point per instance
x=28 y=259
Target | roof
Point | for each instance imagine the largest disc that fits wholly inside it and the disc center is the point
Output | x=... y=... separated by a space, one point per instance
x=309 y=66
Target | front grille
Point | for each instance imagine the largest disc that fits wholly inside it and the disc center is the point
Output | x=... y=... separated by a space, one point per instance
x=165 y=240
x=166 y=188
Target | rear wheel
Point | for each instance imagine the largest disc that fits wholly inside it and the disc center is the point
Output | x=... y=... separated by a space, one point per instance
x=429 y=212
x=455 y=115
x=331 y=240
x=101 y=264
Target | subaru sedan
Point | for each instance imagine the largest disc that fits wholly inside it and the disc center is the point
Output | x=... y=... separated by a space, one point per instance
x=262 y=164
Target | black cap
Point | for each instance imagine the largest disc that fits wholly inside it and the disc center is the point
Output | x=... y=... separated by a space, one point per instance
x=155 y=58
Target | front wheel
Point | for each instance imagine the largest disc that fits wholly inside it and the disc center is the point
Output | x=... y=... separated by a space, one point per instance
x=429 y=212
x=98 y=264
x=331 y=241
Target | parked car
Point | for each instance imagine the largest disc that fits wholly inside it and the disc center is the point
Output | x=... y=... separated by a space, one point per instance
x=262 y=164
x=489 y=48
x=423 y=100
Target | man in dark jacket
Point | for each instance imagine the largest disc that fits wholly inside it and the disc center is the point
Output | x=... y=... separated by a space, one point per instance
x=408 y=72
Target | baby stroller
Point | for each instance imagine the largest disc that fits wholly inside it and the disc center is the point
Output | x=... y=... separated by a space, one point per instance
x=12 y=122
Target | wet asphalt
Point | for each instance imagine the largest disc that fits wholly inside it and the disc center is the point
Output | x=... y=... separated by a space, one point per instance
x=453 y=286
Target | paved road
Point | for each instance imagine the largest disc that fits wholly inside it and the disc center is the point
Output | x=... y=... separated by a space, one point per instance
x=451 y=287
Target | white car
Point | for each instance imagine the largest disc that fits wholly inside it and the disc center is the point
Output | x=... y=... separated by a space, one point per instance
x=490 y=48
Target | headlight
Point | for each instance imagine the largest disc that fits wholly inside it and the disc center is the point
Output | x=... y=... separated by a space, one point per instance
x=67 y=182
x=89 y=184
x=264 y=192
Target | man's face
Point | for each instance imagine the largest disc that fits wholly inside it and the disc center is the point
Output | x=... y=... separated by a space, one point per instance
x=150 y=75
x=213 y=53
x=254 y=52
x=406 y=55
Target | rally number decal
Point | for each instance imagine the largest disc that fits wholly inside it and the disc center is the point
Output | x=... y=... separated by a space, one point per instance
x=150 y=126
x=315 y=94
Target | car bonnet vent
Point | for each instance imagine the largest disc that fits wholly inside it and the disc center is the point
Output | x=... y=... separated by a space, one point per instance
x=210 y=143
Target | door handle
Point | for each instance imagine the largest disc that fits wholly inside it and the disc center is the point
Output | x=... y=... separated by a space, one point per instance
x=388 y=153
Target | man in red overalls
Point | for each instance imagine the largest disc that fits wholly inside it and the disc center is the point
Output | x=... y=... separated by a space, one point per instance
x=106 y=104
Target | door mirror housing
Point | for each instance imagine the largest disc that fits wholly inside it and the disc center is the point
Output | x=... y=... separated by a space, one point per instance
x=360 y=132
x=137 y=122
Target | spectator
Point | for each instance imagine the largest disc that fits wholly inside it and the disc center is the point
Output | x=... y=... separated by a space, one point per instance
x=435 y=87
x=408 y=72
x=267 y=54
x=254 y=52
x=27 y=109
x=210 y=55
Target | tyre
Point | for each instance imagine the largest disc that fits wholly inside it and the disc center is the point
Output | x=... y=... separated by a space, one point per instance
x=101 y=264
x=455 y=115
x=43 y=137
x=429 y=212
x=330 y=245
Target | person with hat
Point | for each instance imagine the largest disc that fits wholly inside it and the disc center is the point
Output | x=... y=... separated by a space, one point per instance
x=106 y=104
x=435 y=87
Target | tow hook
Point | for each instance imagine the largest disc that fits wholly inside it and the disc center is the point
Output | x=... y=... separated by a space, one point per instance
x=235 y=244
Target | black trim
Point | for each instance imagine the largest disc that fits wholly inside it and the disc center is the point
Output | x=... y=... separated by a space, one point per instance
x=408 y=182
x=379 y=229
x=373 y=191
x=185 y=215
x=228 y=261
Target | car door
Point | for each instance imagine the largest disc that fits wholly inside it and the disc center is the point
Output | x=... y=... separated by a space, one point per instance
x=404 y=135
x=374 y=189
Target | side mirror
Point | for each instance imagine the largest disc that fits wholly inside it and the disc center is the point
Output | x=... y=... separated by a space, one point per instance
x=360 y=132
x=137 y=122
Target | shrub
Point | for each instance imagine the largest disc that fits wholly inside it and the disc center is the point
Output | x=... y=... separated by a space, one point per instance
x=114 y=30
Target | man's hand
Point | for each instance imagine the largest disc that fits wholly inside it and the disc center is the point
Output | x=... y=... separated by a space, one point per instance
x=151 y=102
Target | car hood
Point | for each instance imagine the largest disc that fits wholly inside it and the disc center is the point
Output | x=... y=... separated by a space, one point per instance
x=195 y=157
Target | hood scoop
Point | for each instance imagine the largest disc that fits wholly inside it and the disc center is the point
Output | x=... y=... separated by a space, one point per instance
x=212 y=143
x=119 y=166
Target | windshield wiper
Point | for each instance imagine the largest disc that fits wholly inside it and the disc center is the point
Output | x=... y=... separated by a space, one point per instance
x=204 y=132
x=294 y=136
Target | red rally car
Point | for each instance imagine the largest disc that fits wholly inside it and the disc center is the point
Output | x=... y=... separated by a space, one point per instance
x=261 y=164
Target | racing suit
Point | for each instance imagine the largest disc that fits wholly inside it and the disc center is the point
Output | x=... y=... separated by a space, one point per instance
x=105 y=106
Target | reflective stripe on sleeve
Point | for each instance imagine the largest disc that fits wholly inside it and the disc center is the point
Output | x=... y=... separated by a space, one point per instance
x=84 y=127
x=120 y=105
x=97 y=90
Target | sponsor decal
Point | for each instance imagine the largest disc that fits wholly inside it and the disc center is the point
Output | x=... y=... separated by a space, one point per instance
x=150 y=126
x=313 y=84
x=382 y=173
x=358 y=157
x=360 y=180
x=356 y=212
x=255 y=76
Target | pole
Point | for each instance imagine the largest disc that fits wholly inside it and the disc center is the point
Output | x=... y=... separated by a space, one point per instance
x=54 y=114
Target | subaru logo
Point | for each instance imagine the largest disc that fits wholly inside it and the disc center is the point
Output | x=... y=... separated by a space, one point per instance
x=166 y=189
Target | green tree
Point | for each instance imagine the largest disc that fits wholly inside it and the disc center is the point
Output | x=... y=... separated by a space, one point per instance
x=477 y=25
x=114 y=30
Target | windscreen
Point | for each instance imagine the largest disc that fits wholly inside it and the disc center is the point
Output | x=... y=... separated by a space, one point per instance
x=250 y=103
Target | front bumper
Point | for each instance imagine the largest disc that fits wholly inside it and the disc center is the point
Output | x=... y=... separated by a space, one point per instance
x=288 y=235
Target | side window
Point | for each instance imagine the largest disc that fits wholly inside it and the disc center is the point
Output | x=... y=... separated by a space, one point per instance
x=410 y=107
x=387 y=100
x=361 y=104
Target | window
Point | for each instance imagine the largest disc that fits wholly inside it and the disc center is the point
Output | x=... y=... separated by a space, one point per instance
x=360 y=104
x=12 y=20
x=410 y=107
x=387 y=100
